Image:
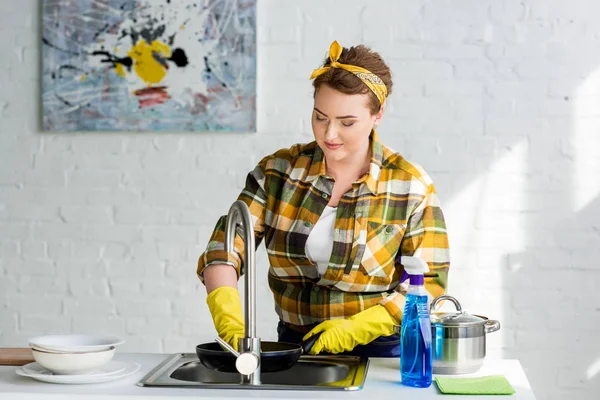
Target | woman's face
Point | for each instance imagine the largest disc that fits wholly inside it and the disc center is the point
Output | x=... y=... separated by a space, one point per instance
x=342 y=124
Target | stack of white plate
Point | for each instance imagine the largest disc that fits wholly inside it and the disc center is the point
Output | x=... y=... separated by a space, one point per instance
x=76 y=359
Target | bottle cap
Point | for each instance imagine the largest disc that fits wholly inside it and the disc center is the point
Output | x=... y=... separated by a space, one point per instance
x=417 y=279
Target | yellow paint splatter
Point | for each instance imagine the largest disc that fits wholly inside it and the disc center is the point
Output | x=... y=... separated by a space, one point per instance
x=120 y=70
x=144 y=63
x=82 y=78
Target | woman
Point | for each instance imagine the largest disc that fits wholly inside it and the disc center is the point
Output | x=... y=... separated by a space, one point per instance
x=337 y=216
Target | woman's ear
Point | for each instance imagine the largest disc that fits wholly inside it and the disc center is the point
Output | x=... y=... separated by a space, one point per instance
x=377 y=117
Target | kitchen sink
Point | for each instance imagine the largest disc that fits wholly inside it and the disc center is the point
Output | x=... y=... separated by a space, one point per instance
x=309 y=373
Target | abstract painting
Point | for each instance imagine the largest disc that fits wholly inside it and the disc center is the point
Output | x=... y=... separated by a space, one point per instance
x=149 y=65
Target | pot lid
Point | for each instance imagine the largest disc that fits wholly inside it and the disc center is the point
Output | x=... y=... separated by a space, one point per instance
x=456 y=319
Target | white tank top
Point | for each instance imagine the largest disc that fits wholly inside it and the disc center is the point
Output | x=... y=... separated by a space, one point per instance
x=320 y=241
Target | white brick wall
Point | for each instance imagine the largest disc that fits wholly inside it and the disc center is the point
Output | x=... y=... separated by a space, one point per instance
x=497 y=99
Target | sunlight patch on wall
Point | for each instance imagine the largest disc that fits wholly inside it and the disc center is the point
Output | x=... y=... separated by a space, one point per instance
x=585 y=142
x=593 y=369
x=487 y=231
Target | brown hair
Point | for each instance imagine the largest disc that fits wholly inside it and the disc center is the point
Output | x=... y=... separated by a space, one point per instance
x=346 y=82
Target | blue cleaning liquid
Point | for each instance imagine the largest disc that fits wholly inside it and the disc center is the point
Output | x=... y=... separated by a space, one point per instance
x=415 y=345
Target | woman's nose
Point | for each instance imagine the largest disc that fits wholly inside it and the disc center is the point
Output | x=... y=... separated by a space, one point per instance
x=330 y=132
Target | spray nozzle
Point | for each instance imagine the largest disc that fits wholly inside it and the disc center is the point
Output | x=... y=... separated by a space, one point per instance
x=415 y=267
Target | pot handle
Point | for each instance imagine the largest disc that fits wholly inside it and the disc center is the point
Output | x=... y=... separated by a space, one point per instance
x=491 y=325
x=445 y=297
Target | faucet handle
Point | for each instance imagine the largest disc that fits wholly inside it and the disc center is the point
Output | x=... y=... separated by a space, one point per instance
x=227 y=346
x=245 y=363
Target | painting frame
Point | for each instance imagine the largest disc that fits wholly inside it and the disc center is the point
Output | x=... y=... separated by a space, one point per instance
x=149 y=65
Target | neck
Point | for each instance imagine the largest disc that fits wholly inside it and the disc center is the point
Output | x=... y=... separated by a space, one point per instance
x=351 y=168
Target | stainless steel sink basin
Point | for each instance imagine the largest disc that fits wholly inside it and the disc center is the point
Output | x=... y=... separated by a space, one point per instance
x=309 y=373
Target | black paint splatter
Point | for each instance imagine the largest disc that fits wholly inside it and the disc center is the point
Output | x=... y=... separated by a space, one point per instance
x=179 y=57
x=101 y=31
x=47 y=43
x=63 y=100
x=206 y=66
x=114 y=60
x=67 y=67
x=171 y=40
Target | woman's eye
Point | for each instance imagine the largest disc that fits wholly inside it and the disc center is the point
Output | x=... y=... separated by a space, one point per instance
x=347 y=124
x=319 y=118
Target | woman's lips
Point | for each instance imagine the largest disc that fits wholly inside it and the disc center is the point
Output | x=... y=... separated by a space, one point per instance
x=333 y=146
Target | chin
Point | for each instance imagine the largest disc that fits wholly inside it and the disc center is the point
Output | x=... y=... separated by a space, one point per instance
x=335 y=155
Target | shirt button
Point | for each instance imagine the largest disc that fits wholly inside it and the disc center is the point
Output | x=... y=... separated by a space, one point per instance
x=389 y=229
x=302 y=259
x=307 y=224
x=324 y=195
x=315 y=289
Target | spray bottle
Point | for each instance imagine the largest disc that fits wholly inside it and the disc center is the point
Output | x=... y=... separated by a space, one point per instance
x=415 y=340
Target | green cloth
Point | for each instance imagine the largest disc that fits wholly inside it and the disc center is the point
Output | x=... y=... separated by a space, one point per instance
x=492 y=384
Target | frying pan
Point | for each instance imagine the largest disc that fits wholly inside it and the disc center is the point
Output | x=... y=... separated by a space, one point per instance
x=274 y=356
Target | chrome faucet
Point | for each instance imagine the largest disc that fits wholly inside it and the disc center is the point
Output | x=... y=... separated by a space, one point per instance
x=248 y=358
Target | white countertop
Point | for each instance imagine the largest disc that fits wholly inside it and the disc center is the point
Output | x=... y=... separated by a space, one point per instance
x=383 y=381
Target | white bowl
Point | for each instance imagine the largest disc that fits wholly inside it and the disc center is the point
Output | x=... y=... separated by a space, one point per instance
x=74 y=343
x=34 y=347
x=73 y=363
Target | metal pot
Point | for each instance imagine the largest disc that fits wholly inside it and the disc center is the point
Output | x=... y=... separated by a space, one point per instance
x=458 y=339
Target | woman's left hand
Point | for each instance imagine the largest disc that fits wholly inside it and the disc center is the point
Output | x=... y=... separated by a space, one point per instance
x=340 y=335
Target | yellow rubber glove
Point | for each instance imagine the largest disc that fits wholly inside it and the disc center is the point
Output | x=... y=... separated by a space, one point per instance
x=226 y=309
x=341 y=335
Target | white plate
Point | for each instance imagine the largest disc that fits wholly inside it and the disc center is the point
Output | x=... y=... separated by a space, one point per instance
x=110 y=372
x=113 y=367
x=75 y=343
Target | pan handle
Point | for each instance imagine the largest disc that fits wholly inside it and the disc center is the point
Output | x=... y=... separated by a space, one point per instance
x=308 y=343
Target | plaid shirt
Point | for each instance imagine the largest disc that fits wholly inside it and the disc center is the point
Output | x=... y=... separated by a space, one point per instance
x=393 y=211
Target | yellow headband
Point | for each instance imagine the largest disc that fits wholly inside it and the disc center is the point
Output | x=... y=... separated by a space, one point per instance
x=370 y=79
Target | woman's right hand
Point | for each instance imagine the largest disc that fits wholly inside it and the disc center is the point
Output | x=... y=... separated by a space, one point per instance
x=226 y=310
x=224 y=302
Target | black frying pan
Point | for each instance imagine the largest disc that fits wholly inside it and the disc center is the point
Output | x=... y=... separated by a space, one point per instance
x=274 y=356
